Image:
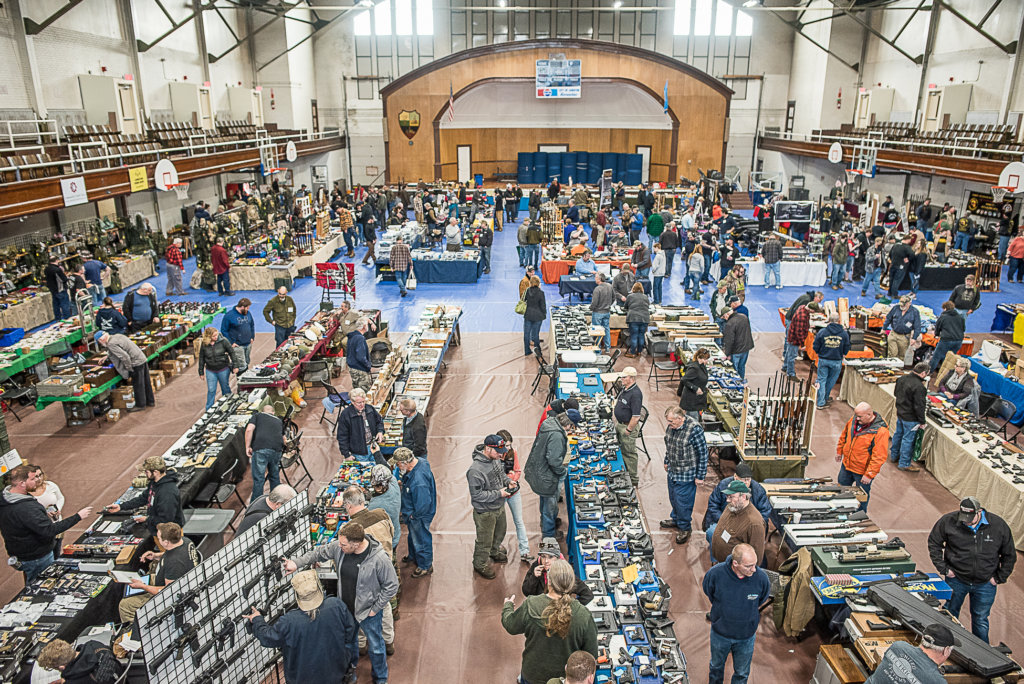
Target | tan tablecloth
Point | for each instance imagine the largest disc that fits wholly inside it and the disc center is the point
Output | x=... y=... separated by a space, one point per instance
x=856 y=389
x=320 y=255
x=957 y=468
x=135 y=271
x=260 y=277
x=29 y=314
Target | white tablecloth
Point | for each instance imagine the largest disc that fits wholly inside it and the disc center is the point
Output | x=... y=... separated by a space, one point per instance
x=794 y=273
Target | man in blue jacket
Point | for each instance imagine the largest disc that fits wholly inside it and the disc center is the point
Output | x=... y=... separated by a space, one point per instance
x=419 y=503
x=239 y=328
x=737 y=589
x=357 y=354
x=831 y=344
x=717 y=501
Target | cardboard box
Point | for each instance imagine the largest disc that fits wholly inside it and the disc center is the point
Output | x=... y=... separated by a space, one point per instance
x=122 y=398
x=187 y=359
x=113 y=415
x=157 y=379
x=169 y=368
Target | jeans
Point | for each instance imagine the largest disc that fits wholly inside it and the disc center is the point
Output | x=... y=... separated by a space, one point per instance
x=789 y=354
x=61 y=305
x=670 y=256
x=421 y=543
x=521 y=249
x=848 y=479
x=773 y=269
x=828 y=373
x=350 y=244
x=692 y=282
x=515 y=507
x=548 y=513
x=682 y=494
x=902 y=447
x=1016 y=266
x=742 y=653
x=266 y=464
x=1004 y=242
x=838 y=271
x=656 y=289
x=213 y=378
x=962 y=241
x=224 y=283
x=485 y=258
x=896 y=274
x=373 y=628
x=982 y=597
x=872 y=278
x=739 y=362
x=706 y=273
x=400 y=278
x=643 y=273
x=709 y=534
x=636 y=337
x=241 y=355
x=943 y=346
x=531 y=333
x=34 y=568
x=490 y=530
x=98 y=293
x=281 y=334
x=603 y=320
x=532 y=255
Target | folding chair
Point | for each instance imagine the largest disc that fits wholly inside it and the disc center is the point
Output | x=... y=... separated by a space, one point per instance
x=218 y=492
x=605 y=363
x=292 y=453
x=334 y=401
x=12 y=392
x=644 y=413
x=544 y=369
x=1003 y=409
x=663 y=368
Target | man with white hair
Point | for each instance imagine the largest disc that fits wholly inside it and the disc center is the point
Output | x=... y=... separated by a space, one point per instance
x=280 y=313
x=360 y=429
x=140 y=307
x=129 y=361
x=264 y=505
x=357 y=355
x=175 y=268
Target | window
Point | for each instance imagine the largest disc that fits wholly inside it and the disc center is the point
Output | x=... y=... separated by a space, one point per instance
x=627 y=28
x=425 y=17
x=723 y=19
x=382 y=18
x=682 y=18
x=361 y=24
x=606 y=26
x=522 y=25
x=500 y=26
x=744 y=24
x=702 y=18
x=403 y=17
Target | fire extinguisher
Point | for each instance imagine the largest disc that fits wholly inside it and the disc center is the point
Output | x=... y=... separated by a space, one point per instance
x=273 y=105
x=839 y=98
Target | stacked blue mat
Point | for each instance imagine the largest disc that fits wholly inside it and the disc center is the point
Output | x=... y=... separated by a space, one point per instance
x=538 y=168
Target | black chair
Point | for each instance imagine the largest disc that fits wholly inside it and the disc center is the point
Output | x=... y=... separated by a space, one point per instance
x=1002 y=409
x=339 y=399
x=644 y=414
x=663 y=369
x=605 y=363
x=293 y=456
x=217 y=493
x=544 y=369
x=13 y=392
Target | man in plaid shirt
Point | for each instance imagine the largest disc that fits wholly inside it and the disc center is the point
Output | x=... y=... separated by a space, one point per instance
x=175 y=268
x=401 y=262
x=686 y=462
x=796 y=335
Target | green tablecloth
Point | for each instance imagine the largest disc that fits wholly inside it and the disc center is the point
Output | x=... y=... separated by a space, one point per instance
x=23 y=363
x=86 y=397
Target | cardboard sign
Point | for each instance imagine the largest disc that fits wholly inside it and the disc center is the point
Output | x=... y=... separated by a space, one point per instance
x=9 y=461
x=73 y=190
x=138 y=178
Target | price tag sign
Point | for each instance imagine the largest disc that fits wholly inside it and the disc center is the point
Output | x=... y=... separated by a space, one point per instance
x=9 y=461
x=73 y=190
x=138 y=178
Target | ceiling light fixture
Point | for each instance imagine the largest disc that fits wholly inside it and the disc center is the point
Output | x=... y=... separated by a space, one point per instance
x=753 y=3
x=502 y=3
x=365 y=3
x=617 y=4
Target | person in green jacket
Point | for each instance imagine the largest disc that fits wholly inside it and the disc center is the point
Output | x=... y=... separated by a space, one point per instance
x=655 y=227
x=555 y=625
x=280 y=313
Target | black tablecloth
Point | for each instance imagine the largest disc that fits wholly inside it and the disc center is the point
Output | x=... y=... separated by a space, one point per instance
x=941 y=277
x=574 y=285
x=447 y=271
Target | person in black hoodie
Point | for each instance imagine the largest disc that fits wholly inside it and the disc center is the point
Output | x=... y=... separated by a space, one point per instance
x=414 y=429
x=28 y=530
x=693 y=387
x=911 y=403
x=949 y=328
x=966 y=298
x=669 y=245
x=110 y=320
x=536 y=581
x=484 y=242
x=161 y=498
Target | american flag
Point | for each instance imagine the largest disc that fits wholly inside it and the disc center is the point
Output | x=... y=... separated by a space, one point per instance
x=451 y=104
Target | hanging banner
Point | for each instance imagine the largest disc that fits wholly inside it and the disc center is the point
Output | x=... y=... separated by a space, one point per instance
x=73 y=190
x=983 y=204
x=138 y=178
x=605 y=185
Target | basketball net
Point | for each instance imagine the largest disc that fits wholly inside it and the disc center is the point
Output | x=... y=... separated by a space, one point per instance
x=181 y=190
x=851 y=175
x=999 y=192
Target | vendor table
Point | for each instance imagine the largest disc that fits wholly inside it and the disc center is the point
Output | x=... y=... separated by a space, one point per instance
x=580 y=286
x=86 y=397
x=551 y=271
x=262 y=277
x=994 y=383
x=437 y=271
x=31 y=313
x=26 y=361
x=322 y=253
x=131 y=271
x=939 y=277
x=794 y=273
x=855 y=389
x=247 y=381
x=1005 y=319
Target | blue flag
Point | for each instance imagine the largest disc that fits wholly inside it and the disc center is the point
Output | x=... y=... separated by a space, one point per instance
x=665 y=98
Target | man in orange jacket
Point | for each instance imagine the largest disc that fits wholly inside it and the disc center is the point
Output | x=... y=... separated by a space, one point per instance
x=862 y=449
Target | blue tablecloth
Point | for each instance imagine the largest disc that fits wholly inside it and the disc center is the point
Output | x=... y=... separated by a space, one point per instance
x=574 y=285
x=447 y=271
x=994 y=383
x=581 y=387
x=1006 y=314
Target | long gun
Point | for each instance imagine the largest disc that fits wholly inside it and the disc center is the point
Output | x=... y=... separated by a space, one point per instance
x=219 y=667
x=189 y=637
x=185 y=600
x=253 y=551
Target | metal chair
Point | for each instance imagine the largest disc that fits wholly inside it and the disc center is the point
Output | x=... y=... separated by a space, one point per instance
x=292 y=453
x=605 y=363
x=663 y=368
x=13 y=392
x=218 y=492
x=544 y=369
x=644 y=414
x=1003 y=409
x=336 y=398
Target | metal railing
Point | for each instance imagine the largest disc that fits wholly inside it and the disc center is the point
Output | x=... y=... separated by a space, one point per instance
x=191 y=149
x=38 y=135
x=950 y=147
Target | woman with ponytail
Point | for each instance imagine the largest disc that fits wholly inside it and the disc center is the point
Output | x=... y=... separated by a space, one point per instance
x=555 y=625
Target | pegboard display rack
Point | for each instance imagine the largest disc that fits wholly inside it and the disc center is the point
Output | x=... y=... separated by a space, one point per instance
x=194 y=630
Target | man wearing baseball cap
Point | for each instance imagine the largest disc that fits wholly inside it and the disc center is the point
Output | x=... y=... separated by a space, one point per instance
x=973 y=550
x=716 y=502
x=904 y=662
x=536 y=580
x=489 y=486
x=419 y=504
x=545 y=466
x=129 y=361
x=740 y=523
x=627 y=413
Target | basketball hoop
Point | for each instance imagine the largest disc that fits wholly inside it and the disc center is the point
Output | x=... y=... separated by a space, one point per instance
x=1000 y=191
x=180 y=189
x=271 y=172
x=851 y=175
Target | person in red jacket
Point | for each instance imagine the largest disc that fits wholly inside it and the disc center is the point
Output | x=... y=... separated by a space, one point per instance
x=221 y=268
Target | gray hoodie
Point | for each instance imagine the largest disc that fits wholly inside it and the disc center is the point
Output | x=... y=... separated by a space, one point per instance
x=486 y=480
x=376 y=582
x=124 y=354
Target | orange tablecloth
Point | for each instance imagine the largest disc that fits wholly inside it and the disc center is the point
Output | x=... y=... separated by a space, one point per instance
x=552 y=271
x=966 y=349
x=813 y=357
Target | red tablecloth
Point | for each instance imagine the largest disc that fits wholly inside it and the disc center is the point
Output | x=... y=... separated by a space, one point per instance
x=552 y=271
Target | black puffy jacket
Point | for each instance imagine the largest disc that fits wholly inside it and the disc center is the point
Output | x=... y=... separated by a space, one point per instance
x=28 y=531
x=974 y=558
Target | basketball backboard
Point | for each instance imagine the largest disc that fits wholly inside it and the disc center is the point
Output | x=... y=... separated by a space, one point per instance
x=165 y=176
x=1012 y=176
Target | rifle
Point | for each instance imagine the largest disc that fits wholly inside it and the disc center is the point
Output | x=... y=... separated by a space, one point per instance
x=255 y=550
x=286 y=523
x=838 y=534
x=219 y=667
x=189 y=637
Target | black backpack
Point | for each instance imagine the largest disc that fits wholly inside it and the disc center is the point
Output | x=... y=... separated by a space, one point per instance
x=94 y=664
